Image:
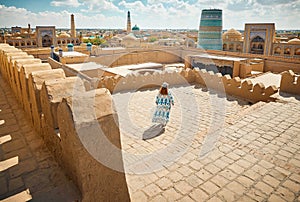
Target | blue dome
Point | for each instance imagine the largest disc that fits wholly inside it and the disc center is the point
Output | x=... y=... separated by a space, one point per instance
x=135 y=28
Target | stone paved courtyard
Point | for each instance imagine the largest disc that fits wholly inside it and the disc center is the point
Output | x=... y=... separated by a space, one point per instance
x=213 y=149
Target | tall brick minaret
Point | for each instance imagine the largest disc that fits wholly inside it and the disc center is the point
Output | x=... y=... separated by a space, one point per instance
x=73 y=31
x=128 y=22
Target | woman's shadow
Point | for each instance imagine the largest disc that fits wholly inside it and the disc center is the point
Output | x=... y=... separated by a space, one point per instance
x=153 y=131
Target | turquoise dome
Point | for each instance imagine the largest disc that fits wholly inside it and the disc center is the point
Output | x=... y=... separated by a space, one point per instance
x=135 y=28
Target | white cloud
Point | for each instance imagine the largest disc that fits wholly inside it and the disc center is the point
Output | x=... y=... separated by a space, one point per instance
x=240 y=5
x=100 y=5
x=100 y=21
x=22 y=17
x=158 y=14
x=58 y=3
x=135 y=6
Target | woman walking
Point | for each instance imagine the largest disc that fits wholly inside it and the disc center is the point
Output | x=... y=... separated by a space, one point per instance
x=164 y=100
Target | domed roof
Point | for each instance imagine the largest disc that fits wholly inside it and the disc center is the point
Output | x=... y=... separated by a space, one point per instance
x=135 y=28
x=64 y=35
x=232 y=34
x=294 y=41
x=129 y=37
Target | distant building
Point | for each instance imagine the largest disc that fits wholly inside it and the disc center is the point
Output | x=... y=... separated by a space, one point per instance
x=259 y=38
x=73 y=30
x=135 y=28
x=287 y=49
x=233 y=41
x=210 y=29
x=44 y=36
x=130 y=41
x=128 y=22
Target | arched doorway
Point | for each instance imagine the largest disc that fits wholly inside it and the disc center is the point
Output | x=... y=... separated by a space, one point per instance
x=277 y=51
x=287 y=51
x=46 y=41
x=257 y=45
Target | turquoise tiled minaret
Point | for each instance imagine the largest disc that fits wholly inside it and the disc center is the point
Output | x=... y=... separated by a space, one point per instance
x=210 y=30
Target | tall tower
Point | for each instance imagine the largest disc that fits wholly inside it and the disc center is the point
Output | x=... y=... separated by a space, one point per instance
x=210 y=30
x=73 y=31
x=128 y=22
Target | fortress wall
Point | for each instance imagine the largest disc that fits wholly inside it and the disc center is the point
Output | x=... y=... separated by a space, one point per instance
x=281 y=66
x=141 y=81
x=17 y=64
x=290 y=83
x=223 y=84
x=51 y=95
x=13 y=55
x=96 y=133
x=234 y=86
x=69 y=72
x=54 y=64
x=57 y=65
x=41 y=53
x=257 y=67
x=127 y=57
x=42 y=89
x=7 y=64
x=35 y=82
x=24 y=73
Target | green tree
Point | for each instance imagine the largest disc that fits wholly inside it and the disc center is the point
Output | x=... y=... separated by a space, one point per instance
x=152 y=39
x=95 y=41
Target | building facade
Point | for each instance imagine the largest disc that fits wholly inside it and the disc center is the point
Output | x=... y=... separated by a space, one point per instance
x=210 y=30
x=43 y=36
x=232 y=41
x=260 y=39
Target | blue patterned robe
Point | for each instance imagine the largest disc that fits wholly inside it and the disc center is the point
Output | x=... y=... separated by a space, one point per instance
x=162 y=112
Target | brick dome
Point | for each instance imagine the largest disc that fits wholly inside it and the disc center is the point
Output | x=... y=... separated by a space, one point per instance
x=232 y=35
x=294 y=41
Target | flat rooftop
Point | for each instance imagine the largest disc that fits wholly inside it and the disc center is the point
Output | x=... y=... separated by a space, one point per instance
x=268 y=79
x=86 y=66
x=127 y=69
x=217 y=57
x=72 y=54
x=119 y=70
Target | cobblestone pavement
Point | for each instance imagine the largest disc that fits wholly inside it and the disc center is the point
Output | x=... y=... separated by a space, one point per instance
x=213 y=149
x=27 y=168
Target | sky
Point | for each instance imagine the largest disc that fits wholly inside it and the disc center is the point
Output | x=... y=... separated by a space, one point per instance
x=147 y=14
